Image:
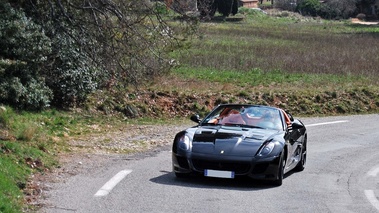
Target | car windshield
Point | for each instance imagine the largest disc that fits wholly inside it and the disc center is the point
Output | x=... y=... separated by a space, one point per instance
x=241 y=115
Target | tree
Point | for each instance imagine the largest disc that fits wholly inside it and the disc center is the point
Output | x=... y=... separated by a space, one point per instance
x=336 y=9
x=309 y=7
x=225 y=7
x=23 y=53
x=98 y=44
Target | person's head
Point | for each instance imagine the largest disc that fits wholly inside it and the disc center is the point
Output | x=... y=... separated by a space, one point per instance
x=251 y=112
x=267 y=116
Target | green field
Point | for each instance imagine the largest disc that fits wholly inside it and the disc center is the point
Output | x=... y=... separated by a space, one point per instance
x=309 y=66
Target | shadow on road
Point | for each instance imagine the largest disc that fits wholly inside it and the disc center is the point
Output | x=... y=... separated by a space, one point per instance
x=199 y=181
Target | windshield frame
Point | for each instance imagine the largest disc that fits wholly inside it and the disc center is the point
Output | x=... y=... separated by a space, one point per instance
x=245 y=115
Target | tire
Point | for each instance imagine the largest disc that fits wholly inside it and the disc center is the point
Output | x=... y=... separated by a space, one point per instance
x=279 y=180
x=301 y=165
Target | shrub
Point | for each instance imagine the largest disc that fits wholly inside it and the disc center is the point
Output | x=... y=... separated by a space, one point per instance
x=336 y=9
x=309 y=7
x=33 y=95
x=77 y=48
x=227 y=7
x=72 y=76
x=252 y=12
x=361 y=16
x=24 y=49
x=286 y=4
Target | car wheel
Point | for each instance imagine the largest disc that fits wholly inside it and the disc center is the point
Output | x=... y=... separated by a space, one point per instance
x=301 y=165
x=279 y=180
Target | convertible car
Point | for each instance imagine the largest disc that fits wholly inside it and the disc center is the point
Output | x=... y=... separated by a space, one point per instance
x=261 y=142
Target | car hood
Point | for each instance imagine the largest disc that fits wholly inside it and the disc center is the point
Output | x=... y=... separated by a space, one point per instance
x=229 y=140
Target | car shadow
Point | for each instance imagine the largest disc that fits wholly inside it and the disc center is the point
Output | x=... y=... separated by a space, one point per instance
x=199 y=181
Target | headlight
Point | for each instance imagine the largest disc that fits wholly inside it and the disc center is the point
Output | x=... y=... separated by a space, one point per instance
x=184 y=142
x=266 y=149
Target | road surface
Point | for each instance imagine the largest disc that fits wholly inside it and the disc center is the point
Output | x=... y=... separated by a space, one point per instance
x=341 y=175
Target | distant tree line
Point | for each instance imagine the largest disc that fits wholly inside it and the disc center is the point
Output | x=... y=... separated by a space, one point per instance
x=330 y=9
x=57 y=52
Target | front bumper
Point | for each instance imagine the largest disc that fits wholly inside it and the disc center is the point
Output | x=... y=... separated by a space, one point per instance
x=257 y=168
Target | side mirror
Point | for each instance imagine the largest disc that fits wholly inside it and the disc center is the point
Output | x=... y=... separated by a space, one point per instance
x=297 y=125
x=195 y=118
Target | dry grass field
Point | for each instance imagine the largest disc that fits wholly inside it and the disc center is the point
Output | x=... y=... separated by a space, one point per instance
x=306 y=65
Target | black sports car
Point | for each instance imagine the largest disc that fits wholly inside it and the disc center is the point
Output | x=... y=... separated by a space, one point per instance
x=261 y=142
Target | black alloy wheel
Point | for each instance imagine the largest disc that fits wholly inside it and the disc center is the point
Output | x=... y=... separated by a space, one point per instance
x=301 y=165
x=279 y=180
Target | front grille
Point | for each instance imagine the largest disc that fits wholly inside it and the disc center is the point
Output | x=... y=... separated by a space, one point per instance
x=237 y=167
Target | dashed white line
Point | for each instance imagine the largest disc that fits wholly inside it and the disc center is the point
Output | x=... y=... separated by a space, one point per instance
x=370 y=194
x=373 y=172
x=372 y=198
x=327 y=123
x=103 y=191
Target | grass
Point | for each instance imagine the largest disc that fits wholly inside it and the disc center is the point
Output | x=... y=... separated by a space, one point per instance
x=30 y=142
x=306 y=65
x=284 y=60
x=291 y=47
x=257 y=77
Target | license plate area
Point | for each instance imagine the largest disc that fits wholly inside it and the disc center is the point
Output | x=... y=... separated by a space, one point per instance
x=218 y=173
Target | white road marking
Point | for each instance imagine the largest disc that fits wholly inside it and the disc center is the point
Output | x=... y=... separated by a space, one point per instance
x=370 y=195
x=372 y=198
x=103 y=191
x=327 y=123
x=373 y=172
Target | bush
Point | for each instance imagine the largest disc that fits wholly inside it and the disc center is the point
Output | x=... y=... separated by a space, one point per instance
x=72 y=76
x=338 y=9
x=361 y=16
x=286 y=4
x=252 y=12
x=309 y=7
x=34 y=95
x=227 y=7
x=24 y=50
x=69 y=48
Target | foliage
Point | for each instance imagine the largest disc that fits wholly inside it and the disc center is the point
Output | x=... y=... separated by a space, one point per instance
x=225 y=7
x=331 y=9
x=289 y=5
x=291 y=45
x=207 y=8
x=72 y=77
x=299 y=63
x=72 y=48
x=309 y=7
x=338 y=9
x=23 y=53
x=252 y=12
x=259 y=60
x=33 y=95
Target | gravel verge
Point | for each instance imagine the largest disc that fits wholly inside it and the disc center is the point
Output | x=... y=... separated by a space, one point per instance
x=92 y=151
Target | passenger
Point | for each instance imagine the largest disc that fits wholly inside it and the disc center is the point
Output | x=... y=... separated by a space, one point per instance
x=271 y=120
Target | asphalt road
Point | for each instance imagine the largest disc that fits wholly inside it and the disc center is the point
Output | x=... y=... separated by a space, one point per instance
x=341 y=175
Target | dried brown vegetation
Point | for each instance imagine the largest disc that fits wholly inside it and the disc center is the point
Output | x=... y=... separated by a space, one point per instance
x=308 y=66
